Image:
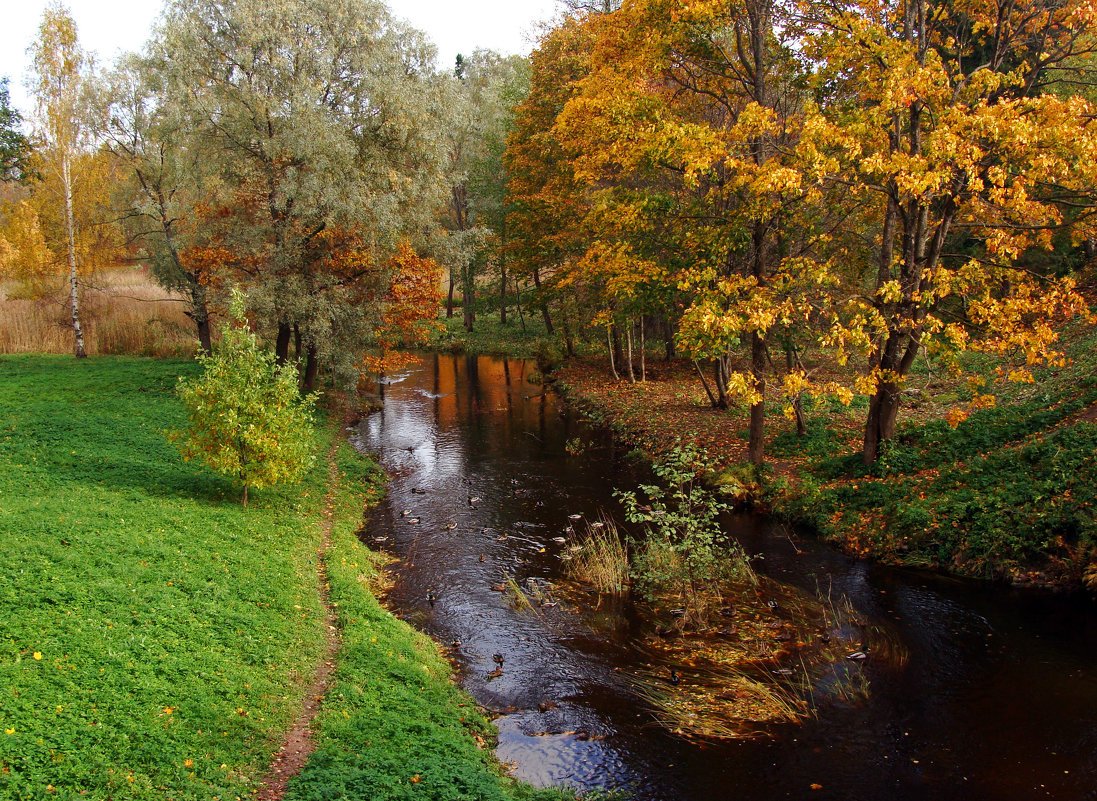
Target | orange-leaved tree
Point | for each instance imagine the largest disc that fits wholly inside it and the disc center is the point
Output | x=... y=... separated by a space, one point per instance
x=684 y=132
x=408 y=310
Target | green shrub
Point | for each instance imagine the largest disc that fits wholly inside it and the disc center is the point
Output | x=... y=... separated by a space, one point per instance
x=247 y=419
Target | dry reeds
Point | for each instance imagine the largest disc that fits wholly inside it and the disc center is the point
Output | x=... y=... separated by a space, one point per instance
x=602 y=563
x=124 y=311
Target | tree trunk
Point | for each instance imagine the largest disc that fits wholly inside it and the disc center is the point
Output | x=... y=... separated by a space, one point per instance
x=704 y=383
x=757 y=446
x=618 y=351
x=544 y=304
x=70 y=230
x=312 y=369
x=569 y=341
x=792 y=361
x=449 y=295
x=884 y=406
x=668 y=338
x=245 y=498
x=643 y=358
x=518 y=303
x=609 y=349
x=628 y=341
x=467 y=299
x=200 y=315
x=205 y=336
x=281 y=344
x=502 y=291
x=882 y=413
x=719 y=370
x=297 y=342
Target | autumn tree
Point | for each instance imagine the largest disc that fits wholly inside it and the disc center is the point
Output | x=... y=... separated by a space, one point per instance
x=546 y=202
x=407 y=311
x=487 y=89
x=61 y=68
x=161 y=200
x=938 y=120
x=24 y=254
x=685 y=133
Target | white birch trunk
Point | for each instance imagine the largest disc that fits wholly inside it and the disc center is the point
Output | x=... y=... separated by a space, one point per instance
x=66 y=181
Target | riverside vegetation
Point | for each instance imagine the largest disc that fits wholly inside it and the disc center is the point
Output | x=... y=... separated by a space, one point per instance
x=157 y=637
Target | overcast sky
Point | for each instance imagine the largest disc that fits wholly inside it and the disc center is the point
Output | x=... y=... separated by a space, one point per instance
x=110 y=27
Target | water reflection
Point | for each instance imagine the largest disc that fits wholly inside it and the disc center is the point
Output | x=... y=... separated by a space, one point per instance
x=996 y=696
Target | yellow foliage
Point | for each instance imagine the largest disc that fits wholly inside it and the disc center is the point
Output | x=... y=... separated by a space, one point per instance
x=24 y=254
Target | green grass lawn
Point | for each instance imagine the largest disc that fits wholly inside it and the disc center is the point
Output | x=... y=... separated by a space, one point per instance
x=153 y=634
x=156 y=637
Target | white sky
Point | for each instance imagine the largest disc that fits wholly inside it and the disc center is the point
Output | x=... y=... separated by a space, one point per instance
x=110 y=27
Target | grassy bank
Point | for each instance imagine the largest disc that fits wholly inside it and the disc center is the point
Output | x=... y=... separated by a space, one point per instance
x=515 y=340
x=155 y=634
x=156 y=638
x=1010 y=493
x=393 y=725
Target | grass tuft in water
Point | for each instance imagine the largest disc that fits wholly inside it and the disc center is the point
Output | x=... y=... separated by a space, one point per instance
x=603 y=562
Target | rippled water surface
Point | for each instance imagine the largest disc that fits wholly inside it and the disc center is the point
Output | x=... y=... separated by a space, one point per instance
x=997 y=698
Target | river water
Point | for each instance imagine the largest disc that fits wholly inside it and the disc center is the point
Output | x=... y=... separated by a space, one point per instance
x=996 y=699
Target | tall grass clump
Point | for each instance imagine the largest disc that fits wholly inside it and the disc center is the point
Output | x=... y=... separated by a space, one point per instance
x=125 y=313
x=603 y=562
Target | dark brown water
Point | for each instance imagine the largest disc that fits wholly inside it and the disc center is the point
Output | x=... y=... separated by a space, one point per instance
x=997 y=700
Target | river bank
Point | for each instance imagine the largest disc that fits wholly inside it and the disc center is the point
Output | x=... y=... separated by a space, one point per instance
x=1009 y=494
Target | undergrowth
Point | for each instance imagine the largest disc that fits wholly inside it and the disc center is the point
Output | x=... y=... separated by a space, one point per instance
x=1010 y=492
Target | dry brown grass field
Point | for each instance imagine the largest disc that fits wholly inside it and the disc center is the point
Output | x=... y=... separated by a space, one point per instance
x=124 y=311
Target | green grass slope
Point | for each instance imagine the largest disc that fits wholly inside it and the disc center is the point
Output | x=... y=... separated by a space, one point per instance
x=156 y=638
x=153 y=634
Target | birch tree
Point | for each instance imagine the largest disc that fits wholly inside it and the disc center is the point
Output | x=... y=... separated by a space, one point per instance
x=61 y=69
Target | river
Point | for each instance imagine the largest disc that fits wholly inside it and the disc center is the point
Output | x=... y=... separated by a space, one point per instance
x=996 y=698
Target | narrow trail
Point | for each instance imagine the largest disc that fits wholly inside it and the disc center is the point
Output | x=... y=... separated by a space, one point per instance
x=299 y=744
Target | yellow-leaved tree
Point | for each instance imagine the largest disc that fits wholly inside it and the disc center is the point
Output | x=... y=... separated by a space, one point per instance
x=247 y=418
x=939 y=122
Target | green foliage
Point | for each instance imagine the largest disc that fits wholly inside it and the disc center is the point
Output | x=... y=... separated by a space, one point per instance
x=15 y=149
x=247 y=418
x=685 y=552
x=492 y=338
x=1007 y=491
